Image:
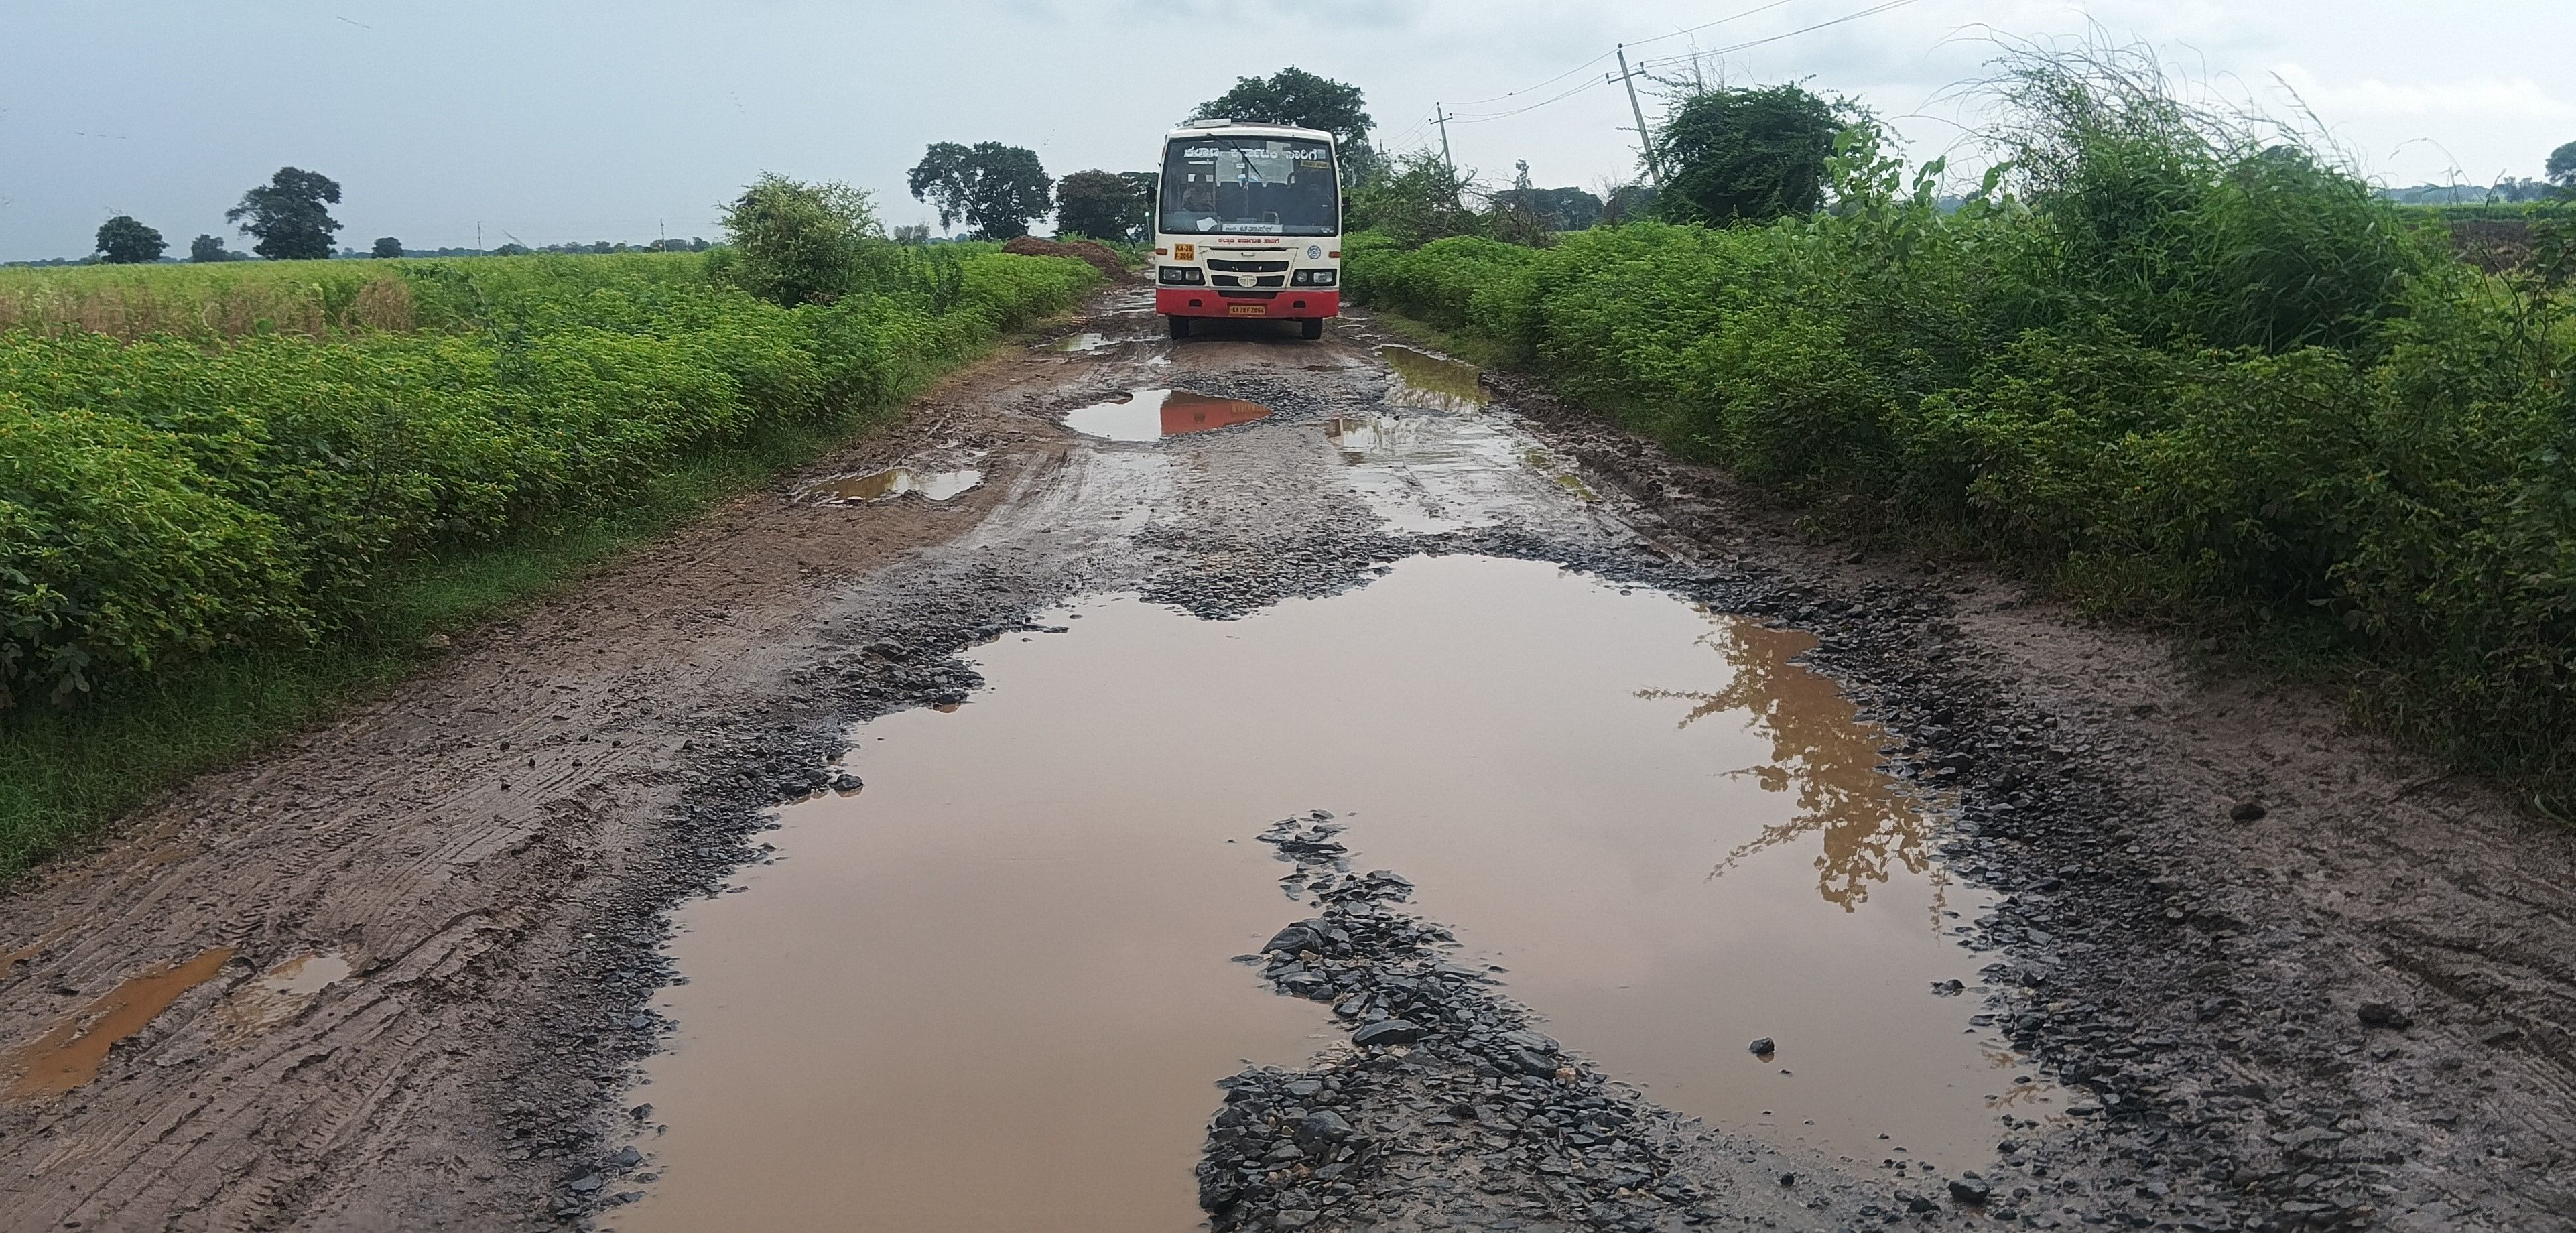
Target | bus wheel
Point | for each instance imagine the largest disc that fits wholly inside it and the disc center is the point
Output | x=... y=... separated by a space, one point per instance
x=1311 y=327
x=1180 y=326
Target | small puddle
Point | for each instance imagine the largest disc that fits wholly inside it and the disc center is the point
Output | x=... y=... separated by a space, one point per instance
x=72 y=1054
x=1151 y=415
x=1427 y=382
x=1089 y=341
x=992 y=991
x=280 y=992
x=884 y=485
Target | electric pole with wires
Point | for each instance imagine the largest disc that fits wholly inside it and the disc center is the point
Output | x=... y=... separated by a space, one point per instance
x=1645 y=140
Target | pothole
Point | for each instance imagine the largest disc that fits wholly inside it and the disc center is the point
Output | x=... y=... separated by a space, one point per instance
x=1427 y=382
x=281 y=992
x=1153 y=414
x=896 y=482
x=992 y=991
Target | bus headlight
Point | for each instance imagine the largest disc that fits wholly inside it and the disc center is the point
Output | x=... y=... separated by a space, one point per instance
x=1181 y=275
x=1314 y=278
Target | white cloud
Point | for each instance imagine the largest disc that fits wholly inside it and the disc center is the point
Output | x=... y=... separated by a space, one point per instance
x=2470 y=98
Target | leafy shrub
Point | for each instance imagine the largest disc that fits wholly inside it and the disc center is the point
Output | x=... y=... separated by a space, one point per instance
x=1747 y=155
x=166 y=497
x=795 y=243
x=2184 y=374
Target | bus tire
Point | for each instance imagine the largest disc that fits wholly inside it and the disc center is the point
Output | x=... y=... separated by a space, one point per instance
x=1310 y=328
x=1180 y=325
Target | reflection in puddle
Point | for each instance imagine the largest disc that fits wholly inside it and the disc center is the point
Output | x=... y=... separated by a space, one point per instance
x=1823 y=757
x=1088 y=340
x=1150 y=415
x=884 y=485
x=71 y=1054
x=991 y=992
x=1427 y=382
x=281 y=992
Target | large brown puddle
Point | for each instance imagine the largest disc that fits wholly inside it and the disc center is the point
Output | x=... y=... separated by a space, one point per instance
x=991 y=991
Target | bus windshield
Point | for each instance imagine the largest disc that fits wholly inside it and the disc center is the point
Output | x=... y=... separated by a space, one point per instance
x=1222 y=184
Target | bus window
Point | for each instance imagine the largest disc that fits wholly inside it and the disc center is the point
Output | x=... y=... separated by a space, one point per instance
x=1255 y=185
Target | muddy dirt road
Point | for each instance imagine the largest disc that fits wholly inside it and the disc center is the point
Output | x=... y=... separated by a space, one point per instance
x=1269 y=785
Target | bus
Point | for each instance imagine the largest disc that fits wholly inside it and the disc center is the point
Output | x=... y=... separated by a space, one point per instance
x=1248 y=226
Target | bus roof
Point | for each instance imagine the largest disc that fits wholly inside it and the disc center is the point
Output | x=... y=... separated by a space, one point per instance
x=1203 y=128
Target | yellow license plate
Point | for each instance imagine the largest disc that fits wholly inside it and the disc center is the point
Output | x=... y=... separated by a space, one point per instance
x=1248 y=310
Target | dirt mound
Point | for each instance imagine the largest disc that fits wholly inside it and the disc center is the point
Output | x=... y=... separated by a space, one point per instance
x=1098 y=254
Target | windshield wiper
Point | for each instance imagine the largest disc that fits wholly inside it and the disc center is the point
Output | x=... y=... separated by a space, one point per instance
x=1246 y=160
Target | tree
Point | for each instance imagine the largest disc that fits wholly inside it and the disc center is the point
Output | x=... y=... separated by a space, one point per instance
x=287 y=215
x=1415 y=200
x=796 y=243
x=2561 y=169
x=1732 y=156
x=1547 y=209
x=997 y=189
x=209 y=248
x=387 y=246
x=1100 y=205
x=1626 y=203
x=1296 y=97
x=123 y=241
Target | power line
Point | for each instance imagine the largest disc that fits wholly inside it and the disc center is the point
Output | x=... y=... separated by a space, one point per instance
x=1555 y=98
x=1643 y=65
x=1749 y=43
x=1719 y=22
x=1758 y=9
x=1543 y=84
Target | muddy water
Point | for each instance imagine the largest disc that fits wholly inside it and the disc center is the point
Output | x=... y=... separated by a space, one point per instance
x=280 y=993
x=71 y=1054
x=882 y=485
x=1427 y=382
x=990 y=991
x=1150 y=415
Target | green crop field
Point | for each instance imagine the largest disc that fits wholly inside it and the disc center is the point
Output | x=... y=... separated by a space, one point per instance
x=231 y=494
x=2217 y=386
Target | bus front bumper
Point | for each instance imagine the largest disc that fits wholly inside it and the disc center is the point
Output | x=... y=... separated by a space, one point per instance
x=1292 y=304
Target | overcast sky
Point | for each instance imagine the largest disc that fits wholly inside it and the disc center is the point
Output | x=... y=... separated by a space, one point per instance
x=579 y=120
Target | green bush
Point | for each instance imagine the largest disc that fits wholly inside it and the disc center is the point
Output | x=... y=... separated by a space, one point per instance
x=2183 y=374
x=169 y=496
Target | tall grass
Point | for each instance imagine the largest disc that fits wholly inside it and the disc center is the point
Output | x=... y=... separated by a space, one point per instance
x=2182 y=365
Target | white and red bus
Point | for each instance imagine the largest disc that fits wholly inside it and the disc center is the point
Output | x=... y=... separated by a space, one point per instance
x=1248 y=225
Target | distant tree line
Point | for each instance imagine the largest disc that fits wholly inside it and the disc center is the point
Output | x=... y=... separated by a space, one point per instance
x=290 y=218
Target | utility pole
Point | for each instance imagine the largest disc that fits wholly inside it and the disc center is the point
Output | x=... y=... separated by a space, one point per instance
x=1442 y=119
x=1654 y=174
